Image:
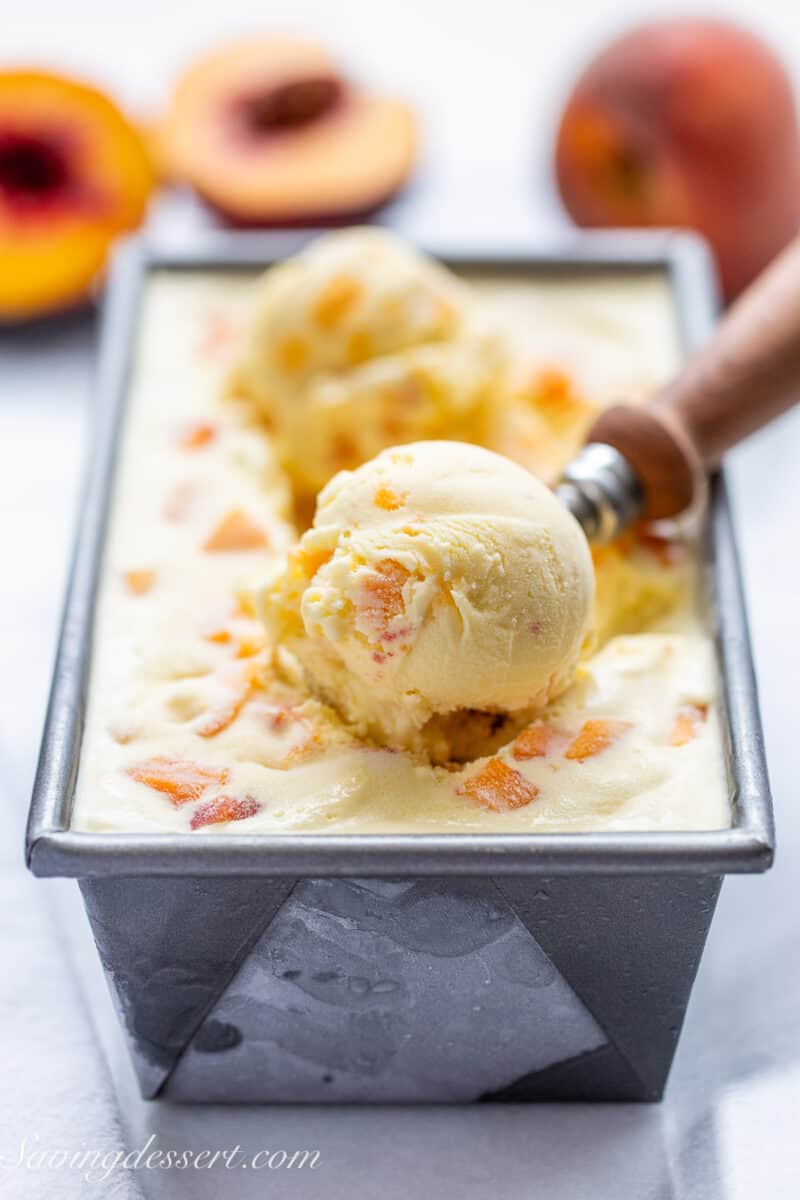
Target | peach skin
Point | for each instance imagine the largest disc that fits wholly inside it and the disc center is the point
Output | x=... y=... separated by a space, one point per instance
x=686 y=123
x=74 y=173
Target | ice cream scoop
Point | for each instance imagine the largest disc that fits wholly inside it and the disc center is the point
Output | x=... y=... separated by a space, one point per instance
x=439 y=577
x=359 y=342
x=649 y=461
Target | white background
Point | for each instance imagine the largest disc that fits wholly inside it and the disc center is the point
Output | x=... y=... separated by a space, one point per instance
x=487 y=79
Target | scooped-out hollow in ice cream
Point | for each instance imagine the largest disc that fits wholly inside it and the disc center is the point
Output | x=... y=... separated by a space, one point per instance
x=439 y=582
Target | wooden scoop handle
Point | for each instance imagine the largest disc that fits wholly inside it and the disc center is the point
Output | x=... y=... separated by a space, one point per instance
x=747 y=374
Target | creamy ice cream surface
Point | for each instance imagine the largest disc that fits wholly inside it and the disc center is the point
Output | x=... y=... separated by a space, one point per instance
x=201 y=719
x=436 y=578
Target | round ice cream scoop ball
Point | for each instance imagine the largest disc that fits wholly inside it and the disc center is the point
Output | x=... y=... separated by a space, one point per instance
x=437 y=577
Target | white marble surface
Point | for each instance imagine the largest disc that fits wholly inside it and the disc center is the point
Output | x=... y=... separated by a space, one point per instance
x=487 y=77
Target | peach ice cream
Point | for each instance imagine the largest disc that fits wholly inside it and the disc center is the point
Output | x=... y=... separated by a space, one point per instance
x=197 y=724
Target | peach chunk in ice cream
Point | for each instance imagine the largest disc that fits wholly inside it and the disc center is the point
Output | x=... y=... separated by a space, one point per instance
x=470 y=590
x=180 y=780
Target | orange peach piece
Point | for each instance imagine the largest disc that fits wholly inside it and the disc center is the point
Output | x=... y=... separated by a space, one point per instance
x=537 y=741
x=382 y=598
x=224 y=808
x=499 y=787
x=554 y=384
x=235 y=532
x=225 y=714
x=140 y=581
x=553 y=394
x=309 y=561
x=595 y=736
x=197 y=435
x=74 y=173
x=338 y=298
x=291 y=353
x=180 y=779
x=688 y=721
x=386 y=498
x=219 y=632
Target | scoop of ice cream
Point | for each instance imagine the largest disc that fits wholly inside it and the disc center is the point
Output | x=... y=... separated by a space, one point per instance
x=438 y=577
x=348 y=297
x=439 y=390
x=358 y=343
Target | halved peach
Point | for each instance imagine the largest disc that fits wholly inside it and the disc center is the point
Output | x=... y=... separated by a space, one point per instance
x=268 y=132
x=74 y=173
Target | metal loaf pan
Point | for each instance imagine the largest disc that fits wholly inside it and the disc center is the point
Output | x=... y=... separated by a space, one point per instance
x=398 y=968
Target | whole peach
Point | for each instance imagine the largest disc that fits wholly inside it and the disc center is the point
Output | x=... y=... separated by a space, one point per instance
x=686 y=123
